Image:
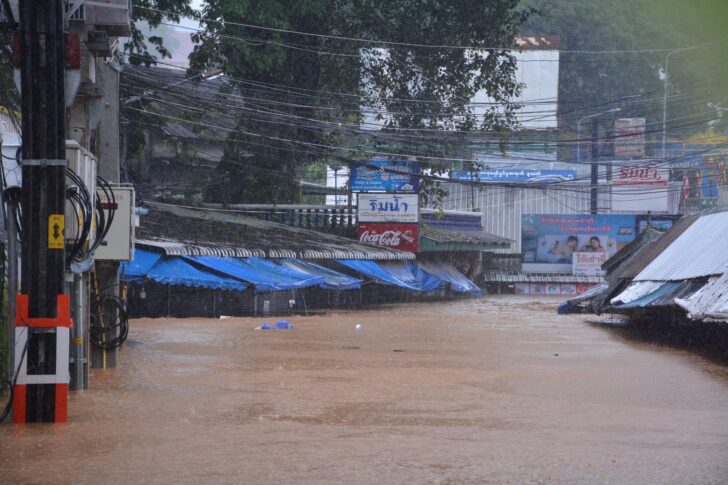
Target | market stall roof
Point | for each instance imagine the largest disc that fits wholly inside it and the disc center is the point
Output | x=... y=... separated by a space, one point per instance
x=189 y=231
x=708 y=303
x=457 y=231
x=446 y=271
x=263 y=275
x=432 y=239
x=333 y=280
x=136 y=270
x=176 y=271
x=419 y=282
x=701 y=250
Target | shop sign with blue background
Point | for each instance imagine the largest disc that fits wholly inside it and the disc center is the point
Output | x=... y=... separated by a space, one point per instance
x=385 y=176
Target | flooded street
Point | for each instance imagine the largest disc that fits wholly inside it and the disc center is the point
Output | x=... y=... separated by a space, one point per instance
x=499 y=390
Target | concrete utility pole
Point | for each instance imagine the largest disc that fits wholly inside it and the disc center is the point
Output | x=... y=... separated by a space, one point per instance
x=594 y=165
x=43 y=312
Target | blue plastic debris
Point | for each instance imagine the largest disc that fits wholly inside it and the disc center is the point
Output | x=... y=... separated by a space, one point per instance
x=567 y=308
x=265 y=326
x=284 y=325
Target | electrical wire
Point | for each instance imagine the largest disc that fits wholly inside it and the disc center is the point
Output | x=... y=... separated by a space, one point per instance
x=407 y=44
x=12 y=381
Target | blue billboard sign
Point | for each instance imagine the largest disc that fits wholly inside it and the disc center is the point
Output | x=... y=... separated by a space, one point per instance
x=385 y=176
x=516 y=175
x=550 y=241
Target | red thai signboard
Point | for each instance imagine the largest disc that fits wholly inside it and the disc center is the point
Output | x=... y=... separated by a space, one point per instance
x=641 y=174
x=405 y=237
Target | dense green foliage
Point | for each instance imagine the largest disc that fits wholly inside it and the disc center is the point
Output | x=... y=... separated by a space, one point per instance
x=418 y=87
x=634 y=81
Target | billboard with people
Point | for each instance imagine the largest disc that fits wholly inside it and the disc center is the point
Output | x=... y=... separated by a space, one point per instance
x=550 y=241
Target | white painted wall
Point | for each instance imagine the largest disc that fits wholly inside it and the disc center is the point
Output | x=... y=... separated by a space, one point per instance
x=538 y=70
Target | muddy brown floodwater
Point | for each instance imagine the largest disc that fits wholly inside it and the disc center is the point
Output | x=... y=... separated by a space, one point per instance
x=496 y=390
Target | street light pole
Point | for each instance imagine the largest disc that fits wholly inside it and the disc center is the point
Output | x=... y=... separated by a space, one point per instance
x=664 y=105
x=593 y=199
x=578 y=129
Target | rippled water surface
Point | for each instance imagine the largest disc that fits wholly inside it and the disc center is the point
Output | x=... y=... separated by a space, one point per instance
x=496 y=390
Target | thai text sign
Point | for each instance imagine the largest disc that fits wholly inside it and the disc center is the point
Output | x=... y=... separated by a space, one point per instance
x=641 y=174
x=516 y=175
x=405 y=237
x=550 y=241
x=388 y=208
x=385 y=176
x=588 y=264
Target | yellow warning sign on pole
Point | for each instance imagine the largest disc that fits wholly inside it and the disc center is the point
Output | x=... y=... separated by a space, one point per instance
x=55 y=231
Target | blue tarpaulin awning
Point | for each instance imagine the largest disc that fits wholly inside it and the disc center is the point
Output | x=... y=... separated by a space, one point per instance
x=458 y=281
x=411 y=273
x=333 y=280
x=265 y=276
x=177 y=271
x=661 y=292
x=136 y=269
x=410 y=277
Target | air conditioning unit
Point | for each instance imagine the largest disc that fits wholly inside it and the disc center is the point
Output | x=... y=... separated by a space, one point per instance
x=110 y=16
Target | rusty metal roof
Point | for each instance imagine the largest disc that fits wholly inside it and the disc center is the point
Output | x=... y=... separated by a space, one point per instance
x=188 y=231
x=708 y=303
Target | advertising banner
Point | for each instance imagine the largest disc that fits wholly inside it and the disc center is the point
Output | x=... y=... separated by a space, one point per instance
x=385 y=176
x=405 y=237
x=588 y=264
x=629 y=137
x=564 y=289
x=550 y=241
x=388 y=208
x=517 y=175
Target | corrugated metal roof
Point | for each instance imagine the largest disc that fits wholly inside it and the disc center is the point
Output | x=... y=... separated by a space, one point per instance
x=700 y=251
x=466 y=237
x=185 y=231
x=635 y=291
x=708 y=303
x=662 y=292
x=173 y=248
x=499 y=276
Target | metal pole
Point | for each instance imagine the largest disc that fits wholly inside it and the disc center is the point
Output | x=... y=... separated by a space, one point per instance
x=664 y=106
x=12 y=265
x=78 y=334
x=594 y=202
x=578 y=140
x=43 y=192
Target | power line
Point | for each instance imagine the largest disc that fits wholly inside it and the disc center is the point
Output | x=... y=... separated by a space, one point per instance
x=407 y=44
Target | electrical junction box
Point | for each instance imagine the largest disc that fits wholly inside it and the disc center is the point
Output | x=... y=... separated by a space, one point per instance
x=83 y=164
x=11 y=146
x=119 y=242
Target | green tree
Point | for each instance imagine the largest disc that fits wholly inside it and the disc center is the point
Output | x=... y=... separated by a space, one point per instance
x=396 y=68
x=150 y=14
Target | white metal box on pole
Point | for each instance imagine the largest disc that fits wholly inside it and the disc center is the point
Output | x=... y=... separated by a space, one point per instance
x=118 y=245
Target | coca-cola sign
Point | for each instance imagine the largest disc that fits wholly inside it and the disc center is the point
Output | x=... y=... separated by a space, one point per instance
x=405 y=237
